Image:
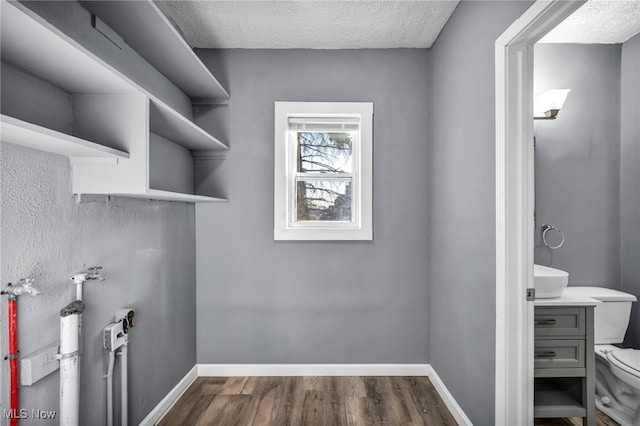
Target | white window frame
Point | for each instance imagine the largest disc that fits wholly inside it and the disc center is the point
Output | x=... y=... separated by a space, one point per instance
x=285 y=225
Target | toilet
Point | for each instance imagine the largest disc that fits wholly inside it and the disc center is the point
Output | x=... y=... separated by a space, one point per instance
x=617 y=369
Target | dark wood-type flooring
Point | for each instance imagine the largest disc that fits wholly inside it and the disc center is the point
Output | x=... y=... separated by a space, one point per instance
x=331 y=401
x=601 y=420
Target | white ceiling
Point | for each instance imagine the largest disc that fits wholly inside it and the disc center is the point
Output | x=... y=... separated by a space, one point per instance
x=316 y=24
x=599 y=21
x=362 y=24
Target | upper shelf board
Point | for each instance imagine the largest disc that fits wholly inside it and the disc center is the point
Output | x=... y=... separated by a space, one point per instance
x=33 y=44
x=33 y=136
x=169 y=124
x=147 y=30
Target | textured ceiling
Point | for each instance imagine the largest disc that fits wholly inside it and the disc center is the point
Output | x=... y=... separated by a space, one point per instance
x=599 y=21
x=314 y=24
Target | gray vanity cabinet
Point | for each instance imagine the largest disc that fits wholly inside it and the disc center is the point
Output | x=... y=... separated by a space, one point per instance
x=564 y=363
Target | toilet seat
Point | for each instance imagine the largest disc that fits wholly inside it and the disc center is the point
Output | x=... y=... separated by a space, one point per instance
x=626 y=365
x=627 y=359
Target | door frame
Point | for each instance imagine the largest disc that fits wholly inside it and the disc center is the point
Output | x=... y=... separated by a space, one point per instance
x=515 y=206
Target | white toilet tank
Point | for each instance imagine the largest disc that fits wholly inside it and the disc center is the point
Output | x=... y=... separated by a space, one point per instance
x=611 y=317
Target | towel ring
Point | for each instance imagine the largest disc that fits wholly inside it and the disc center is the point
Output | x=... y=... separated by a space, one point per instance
x=547 y=228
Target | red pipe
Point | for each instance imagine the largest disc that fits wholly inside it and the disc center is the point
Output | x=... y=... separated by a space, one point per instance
x=13 y=359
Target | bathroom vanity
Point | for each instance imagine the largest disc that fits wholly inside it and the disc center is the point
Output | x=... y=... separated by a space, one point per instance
x=564 y=359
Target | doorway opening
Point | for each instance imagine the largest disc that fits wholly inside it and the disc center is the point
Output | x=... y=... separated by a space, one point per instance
x=515 y=207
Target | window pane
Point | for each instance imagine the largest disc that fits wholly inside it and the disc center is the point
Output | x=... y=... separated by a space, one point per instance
x=324 y=152
x=325 y=200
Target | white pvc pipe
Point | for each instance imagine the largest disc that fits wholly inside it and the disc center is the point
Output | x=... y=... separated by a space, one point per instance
x=79 y=297
x=109 y=377
x=79 y=290
x=123 y=385
x=69 y=369
x=70 y=345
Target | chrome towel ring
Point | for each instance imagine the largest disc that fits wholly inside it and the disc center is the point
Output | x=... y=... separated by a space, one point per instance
x=547 y=228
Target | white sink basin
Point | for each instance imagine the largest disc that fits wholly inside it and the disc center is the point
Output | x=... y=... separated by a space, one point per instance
x=549 y=282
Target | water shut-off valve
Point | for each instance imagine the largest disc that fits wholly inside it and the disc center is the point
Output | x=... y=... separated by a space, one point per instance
x=24 y=286
x=92 y=273
x=115 y=334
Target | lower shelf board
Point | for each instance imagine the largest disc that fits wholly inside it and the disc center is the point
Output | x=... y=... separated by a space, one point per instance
x=156 y=194
x=33 y=136
x=556 y=403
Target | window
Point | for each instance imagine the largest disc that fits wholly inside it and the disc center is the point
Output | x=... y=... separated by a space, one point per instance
x=323 y=163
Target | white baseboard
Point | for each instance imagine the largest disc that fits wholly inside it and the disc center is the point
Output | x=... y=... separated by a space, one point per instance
x=172 y=397
x=450 y=402
x=231 y=370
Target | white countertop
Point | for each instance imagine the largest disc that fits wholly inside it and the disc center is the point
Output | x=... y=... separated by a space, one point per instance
x=568 y=298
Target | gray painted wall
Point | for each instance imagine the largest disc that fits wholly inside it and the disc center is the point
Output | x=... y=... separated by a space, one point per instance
x=462 y=230
x=630 y=180
x=261 y=301
x=147 y=250
x=578 y=161
x=54 y=109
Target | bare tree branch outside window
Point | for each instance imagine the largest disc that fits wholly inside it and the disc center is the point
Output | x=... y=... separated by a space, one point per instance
x=324 y=155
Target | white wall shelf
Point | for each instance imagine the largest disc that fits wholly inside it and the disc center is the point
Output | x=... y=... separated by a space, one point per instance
x=167 y=123
x=159 y=168
x=33 y=44
x=145 y=27
x=37 y=137
x=107 y=114
x=156 y=194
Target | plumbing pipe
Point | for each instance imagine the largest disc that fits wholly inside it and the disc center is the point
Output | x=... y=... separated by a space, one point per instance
x=13 y=359
x=116 y=341
x=70 y=364
x=25 y=286
x=93 y=273
x=109 y=377
x=70 y=349
x=122 y=353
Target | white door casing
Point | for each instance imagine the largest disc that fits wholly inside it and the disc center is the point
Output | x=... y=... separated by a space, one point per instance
x=515 y=206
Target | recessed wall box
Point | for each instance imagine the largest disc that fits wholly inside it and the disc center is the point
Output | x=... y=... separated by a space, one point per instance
x=113 y=336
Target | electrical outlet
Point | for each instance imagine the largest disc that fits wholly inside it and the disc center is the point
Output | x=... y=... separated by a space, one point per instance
x=39 y=364
x=113 y=336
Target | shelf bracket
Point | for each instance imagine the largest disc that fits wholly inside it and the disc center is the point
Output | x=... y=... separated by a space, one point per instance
x=107 y=32
x=91 y=198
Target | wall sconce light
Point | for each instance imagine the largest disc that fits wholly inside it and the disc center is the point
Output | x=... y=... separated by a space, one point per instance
x=548 y=104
